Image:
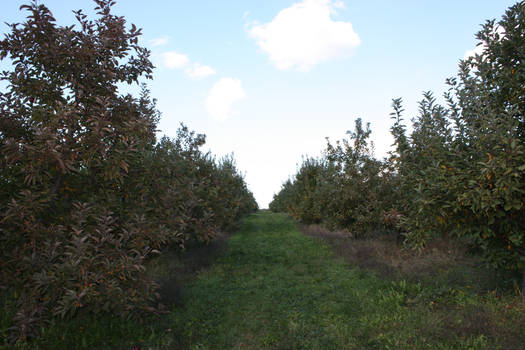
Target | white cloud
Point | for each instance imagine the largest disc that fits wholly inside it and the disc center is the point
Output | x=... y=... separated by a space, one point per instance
x=221 y=98
x=198 y=71
x=159 y=41
x=482 y=46
x=174 y=59
x=304 y=35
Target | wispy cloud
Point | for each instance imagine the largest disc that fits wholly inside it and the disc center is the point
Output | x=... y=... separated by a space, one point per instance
x=159 y=41
x=221 y=98
x=199 y=71
x=195 y=70
x=304 y=35
x=175 y=60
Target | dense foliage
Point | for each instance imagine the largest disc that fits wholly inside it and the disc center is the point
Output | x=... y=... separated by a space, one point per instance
x=87 y=194
x=460 y=172
x=348 y=188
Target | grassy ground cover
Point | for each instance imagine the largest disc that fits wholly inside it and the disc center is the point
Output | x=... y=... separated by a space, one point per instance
x=272 y=287
x=277 y=288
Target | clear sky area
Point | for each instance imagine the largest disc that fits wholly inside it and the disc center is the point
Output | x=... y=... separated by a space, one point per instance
x=270 y=80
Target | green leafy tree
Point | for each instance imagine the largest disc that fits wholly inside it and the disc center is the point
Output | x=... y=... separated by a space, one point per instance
x=489 y=115
x=86 y=193
x=67 y=138
x=348 y=188
x=463 y=166
x=460 y=172
x=359 y=180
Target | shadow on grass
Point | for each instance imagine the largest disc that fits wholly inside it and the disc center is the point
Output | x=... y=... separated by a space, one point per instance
x=175 y=268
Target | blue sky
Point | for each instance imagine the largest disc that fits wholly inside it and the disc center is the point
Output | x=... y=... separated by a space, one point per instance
x=269 y=80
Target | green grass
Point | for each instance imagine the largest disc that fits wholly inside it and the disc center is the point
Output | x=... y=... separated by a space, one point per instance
x=279 y=289
x=276 y=288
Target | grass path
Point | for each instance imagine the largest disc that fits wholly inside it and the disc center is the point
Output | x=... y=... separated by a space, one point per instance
x=276 y=288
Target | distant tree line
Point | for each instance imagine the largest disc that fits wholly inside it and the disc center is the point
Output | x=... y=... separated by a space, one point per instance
x=87 y=193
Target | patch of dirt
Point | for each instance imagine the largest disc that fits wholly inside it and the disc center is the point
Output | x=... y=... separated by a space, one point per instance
x=385 y=254
x=442 y=262
x=322 y=232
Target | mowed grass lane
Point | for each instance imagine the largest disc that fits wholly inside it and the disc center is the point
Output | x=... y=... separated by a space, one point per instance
x=275 y=288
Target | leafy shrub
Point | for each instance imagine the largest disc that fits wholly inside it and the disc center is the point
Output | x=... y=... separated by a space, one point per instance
x=348 y=188
x=460 y=172
x=465 y=162
x=86 y=193
x=67 y=138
